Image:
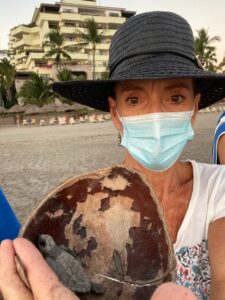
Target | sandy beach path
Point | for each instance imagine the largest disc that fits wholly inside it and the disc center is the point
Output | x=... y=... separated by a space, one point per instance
x=34 y=160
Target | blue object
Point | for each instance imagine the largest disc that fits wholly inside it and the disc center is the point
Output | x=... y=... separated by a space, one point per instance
x=9 y=224
x=220 y=130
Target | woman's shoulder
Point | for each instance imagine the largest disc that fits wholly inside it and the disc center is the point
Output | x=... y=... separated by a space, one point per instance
x=208 y=172
x=220 y=127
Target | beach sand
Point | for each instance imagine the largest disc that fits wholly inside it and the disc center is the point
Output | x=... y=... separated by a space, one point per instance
x=34 y=160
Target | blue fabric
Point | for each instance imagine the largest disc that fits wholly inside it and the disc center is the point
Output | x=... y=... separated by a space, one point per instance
x=9 y=225
x=220 y=130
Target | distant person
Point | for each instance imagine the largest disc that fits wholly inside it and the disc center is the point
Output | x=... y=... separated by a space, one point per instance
x=218 y=150
x=9 y=224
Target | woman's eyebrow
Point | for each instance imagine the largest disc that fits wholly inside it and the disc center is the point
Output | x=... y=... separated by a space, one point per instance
x=131 y=88
x=178 y=85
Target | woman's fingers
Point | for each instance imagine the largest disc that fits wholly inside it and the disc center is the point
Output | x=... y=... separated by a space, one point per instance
x=11 y=286
x=44 y=283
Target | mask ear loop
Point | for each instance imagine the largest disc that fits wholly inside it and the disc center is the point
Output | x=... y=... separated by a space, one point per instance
x=118 y=116
x=120 y=132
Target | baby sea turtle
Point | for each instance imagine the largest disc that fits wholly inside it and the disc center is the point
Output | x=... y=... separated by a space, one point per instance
x=67 y=267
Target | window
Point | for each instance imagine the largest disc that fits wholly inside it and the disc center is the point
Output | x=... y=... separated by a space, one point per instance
x=89 y=12
x=114 y=26
x=66 y=10
x=71 y=38
x=53 y=25
x=113 y=14
x=70 y=24
x=103 y=52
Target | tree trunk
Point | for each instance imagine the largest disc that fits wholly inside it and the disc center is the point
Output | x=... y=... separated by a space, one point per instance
x=93 y=74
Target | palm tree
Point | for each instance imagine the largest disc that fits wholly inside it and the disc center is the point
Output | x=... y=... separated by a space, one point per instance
x=204 y=49
x=105 y=75
x=56 y=42
x=221 y=66
x=7 y=83
x=64 y=75
x=93 y=37
x=37 y=90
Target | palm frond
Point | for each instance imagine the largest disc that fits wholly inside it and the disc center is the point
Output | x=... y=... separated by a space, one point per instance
x=36 y=90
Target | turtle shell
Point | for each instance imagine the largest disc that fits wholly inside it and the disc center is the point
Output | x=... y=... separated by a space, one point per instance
x=112 y=220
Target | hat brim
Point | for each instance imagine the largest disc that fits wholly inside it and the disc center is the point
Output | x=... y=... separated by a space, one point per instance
x=95 y=93
x=92 y=93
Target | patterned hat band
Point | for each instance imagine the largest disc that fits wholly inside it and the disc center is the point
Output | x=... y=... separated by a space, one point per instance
x=152 y=56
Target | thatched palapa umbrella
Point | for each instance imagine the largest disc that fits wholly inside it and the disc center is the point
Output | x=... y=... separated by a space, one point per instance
x=78 y=106
x=81 y=109
x=33 y=110
x=3 y=110
x=64 y=108
x=17 y=109
x=48 y=108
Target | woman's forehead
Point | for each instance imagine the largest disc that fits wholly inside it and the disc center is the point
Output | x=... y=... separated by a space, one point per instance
x=126 y=85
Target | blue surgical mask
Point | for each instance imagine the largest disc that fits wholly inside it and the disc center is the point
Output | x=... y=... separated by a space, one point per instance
x=156 y=140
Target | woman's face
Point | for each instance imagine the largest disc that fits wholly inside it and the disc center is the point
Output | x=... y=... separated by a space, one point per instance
x=139 y=97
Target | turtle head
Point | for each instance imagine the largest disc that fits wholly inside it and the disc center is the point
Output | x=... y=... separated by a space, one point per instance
x=45 y=243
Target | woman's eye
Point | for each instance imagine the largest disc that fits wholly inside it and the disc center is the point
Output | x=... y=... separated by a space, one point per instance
x=132 y=100
x=177 y=99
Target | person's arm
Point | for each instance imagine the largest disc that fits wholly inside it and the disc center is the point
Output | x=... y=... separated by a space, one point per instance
x=216 y=246
x=9 y=224
x=44 y=283
x=221 y=149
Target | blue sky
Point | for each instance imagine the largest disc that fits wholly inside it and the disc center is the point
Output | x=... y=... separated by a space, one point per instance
x=199 y=13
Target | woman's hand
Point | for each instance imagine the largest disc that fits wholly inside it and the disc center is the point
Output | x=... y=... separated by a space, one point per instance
x=172 y=291
x=44 y=283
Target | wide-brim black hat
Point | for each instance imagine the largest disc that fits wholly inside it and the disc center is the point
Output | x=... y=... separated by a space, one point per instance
x=154 y=45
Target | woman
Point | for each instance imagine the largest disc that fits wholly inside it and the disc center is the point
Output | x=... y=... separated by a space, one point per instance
x=155 y=88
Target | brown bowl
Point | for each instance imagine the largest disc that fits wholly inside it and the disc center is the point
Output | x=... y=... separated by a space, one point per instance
x=113 y=222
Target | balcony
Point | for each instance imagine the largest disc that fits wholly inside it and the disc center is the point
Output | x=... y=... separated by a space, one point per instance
x=68 y=30
x=48 y=17
x=105 y=19
x=65 y=16
x=20 y=66
x=98 y=57
x=34 y=56
x=24 y=29
x=101 y=46
x=100 y=69
x=109 y=32
x=27 y=40
x=20 y=55
x=32 y=42
x=78 y=56
x=43 y=71
x=19 y=43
